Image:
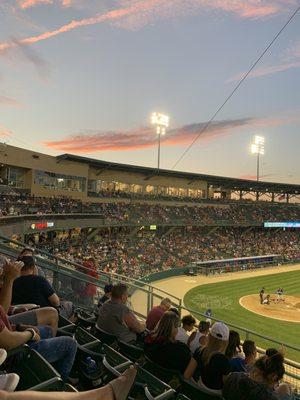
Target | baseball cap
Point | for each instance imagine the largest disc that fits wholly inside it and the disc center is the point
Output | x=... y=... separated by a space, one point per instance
x=108 y=288
x=220 y=331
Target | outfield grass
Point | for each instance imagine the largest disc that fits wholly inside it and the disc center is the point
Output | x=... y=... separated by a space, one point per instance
x=223 y=299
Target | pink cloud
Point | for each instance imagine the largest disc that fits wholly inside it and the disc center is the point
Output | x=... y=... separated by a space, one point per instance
x=9 y=101
x=4 y=132
x=144 y=137
x=31 y=3
x=137 y=13
x=267 y=70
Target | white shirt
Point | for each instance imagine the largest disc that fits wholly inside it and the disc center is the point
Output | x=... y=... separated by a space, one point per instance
x=182 y=336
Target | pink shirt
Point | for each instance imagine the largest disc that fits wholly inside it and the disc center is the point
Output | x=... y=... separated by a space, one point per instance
x=154 y=316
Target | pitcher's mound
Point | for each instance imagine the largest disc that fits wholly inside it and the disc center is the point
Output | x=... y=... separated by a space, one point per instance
x=287 y=310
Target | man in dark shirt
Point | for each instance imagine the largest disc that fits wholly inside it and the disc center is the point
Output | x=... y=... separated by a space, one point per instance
x=32 y=288
x=106 y=296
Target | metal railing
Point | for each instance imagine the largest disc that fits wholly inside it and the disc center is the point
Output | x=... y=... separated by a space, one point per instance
x=62 y=273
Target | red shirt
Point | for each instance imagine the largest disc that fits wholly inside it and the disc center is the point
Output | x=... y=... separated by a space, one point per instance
x=154 y=316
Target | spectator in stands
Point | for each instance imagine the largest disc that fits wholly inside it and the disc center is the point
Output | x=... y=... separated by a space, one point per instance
x=90 y=290
x=233 y=349
x=32 y=288
x=28 y=251
x=262 y=383
x=157 y=312
x=188 y=324
x=199 y=338
x=162 y=348
x=117 y=389
x=116 y=318
x=239 y=364
x=59 y=350
x=213 y=365
x=106 y=296
x=44 y=317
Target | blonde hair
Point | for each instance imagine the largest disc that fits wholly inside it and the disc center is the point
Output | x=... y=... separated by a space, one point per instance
x=166 y=325
x=214 y=345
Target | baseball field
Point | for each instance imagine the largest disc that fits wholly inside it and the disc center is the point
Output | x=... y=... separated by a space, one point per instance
x=232 y=301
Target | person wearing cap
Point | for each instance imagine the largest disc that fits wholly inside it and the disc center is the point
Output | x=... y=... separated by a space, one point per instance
x=213 y=365
x=156 y=313
x=199 y=338
x=106 y=296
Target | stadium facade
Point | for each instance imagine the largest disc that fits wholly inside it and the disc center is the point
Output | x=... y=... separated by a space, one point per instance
x=89 y=180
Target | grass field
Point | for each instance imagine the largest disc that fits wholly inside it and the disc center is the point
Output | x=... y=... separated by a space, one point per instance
x=223 y=299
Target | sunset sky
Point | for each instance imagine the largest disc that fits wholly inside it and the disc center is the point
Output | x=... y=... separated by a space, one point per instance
x=83 y=76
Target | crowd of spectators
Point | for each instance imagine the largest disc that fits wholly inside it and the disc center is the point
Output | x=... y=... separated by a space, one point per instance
x=117 y=252
x=144 y=213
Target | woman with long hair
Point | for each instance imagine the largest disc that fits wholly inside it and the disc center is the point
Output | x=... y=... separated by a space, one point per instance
x=213 y=365
x=263 y=382
x=233 y=349
x=162 y=348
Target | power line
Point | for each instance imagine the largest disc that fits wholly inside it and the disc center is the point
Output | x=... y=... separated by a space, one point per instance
x=236 y=87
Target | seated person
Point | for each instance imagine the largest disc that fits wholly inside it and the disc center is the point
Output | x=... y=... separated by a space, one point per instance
x=32 y=288
x=156 y=313
x=199 y=339
x=233 y=349
x=188 y=324
x=116 y=318
x=262 y=383
x=213 y=365
x=106 y=296
x=46 y=317
x=58 y=350
x=239 y=364
x=162 y=348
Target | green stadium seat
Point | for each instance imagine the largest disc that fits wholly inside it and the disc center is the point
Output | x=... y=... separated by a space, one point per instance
x=105 y=337
x=181 y=396
x=134 y=353
x=53 y=385
x=81 y=335
x=195 y=392
x=169 y=376
x=32 y=368
x=85 y=319
x=62 y=321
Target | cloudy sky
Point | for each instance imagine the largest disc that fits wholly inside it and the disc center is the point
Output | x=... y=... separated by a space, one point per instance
x=83 y=76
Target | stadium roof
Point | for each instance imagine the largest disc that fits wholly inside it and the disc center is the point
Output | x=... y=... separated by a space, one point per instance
x=215 y=181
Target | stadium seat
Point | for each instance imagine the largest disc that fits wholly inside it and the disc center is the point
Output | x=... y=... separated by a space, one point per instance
x=62 y=321
x=85 y=319
x=169 y=376
x=147 y=386
x=53 y=385
x=32 y=368
x=81 y=335
x=195 y=392
x=105 y=337
x=134 y=353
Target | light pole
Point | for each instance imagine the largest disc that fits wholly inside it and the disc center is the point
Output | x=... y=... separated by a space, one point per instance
x=258 y=148
x=161 y=122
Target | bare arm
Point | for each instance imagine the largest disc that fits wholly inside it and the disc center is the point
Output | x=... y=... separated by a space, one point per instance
x=190 y=369
x=11 y=271
x=133 y=323
x=54 y=300
x=10 y=340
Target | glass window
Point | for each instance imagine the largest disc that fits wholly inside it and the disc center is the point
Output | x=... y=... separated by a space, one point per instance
x=50 y=180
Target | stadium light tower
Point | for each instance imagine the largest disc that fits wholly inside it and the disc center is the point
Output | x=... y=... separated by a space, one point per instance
x=161 y=122
x=258 y=148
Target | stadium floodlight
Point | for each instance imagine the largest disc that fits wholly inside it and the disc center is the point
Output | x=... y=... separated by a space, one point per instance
x=258 y=148
x=161 y=122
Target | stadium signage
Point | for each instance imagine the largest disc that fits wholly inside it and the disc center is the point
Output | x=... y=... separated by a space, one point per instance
x=42 y=225
x=290 y=224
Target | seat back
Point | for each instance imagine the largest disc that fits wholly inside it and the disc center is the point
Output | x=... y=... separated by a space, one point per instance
x=53 y=385
x=169 y=376
x=105 y=337
x=148 y=386
x=85 y=319
x=195 y=392
x=134 y=353
x=62 y=321
x=32 y=368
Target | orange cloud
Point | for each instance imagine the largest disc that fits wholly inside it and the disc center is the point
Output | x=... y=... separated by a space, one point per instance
x=137 y=13
x=4 y=132
x=143 y=138
x=8 y=101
